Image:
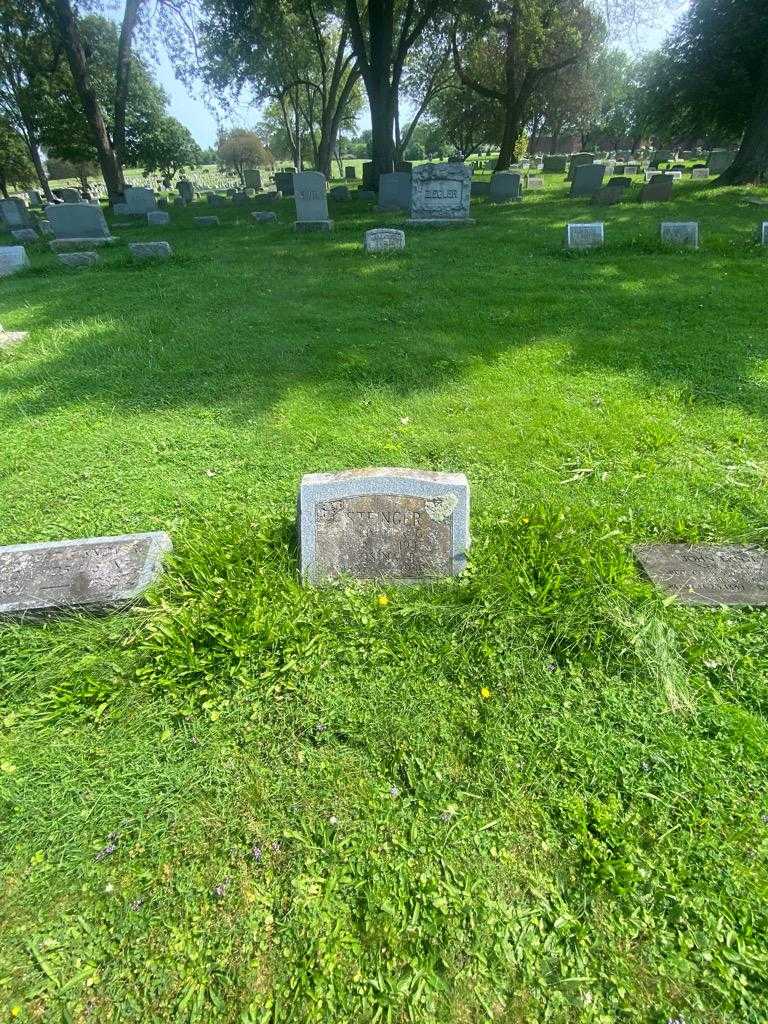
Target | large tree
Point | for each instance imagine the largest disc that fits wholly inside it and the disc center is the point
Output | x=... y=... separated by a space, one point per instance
x=507 y=53
x=16 y=168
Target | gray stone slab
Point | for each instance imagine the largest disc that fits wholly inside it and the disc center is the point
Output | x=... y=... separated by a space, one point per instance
x=708 y=574
x=120 y=209
x=71 y=195
x=554 y=164
x=79 y=244
x=699 y=172
x=93 y=573
x=479 y=188
x=78 y=260
x=264 y=216
x=720 y=160
x=609 y=195
x=587 y=179
x=150 y=250
x=186 y=190
x=340 y=193
x=579 y=160
x=506 y=186
x=25 y=235
x=12 y=259
x=15 y=214
x=764 y=233
x=584 y=236
x=284 y=182
x=533 y=182
x=311 y=199
x=680 y=234
x=10 y=338
x=657 y=191
x=252 y=178
x=440 y=193
x=394 y=191
x=140 y=201
x=383 y=240
x=77 y=220
x=207 y=222
x=396 y=525
x=158 y=218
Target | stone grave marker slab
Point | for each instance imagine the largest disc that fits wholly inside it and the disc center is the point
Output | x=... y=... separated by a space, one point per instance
x=587 y=179
x=609 y=195
x=158 y=217
x=311 y=202
x=707 y=574
x=440 y=195
x=284 y=182
x=150 y=250
x=656 y=192
x=75 y=221
x=339 y=192
x=140 y=201
x=15 y=214
x=383 y=240
x=506 y=186
x=720 y=160
x=764 y=233
x=680 y=234
x=398 y=525
x=207 y=222
x=25 y=235
x=78 y=260
x=252 y=178
x=71 y=195
x=554 y=164
x=584 y=236
x=350 y=173
x=533 y=182
x=394 y=191
x=12 y=259
x=480 y=188
x=264 y=216
x=186 y=190
x=10 y=338
x=699 y=172
x=579 y=160
x=96 y=572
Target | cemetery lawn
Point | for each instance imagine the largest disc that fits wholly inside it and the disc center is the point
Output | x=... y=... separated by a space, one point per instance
x=538 y=792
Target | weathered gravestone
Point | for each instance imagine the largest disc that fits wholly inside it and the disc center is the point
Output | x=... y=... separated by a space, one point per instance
x=120 y=209
x=340 y=193
x=719 y=160
x=214 y=199
x=350 y=173
x=764 y=233
x=620 y=181
x=707 y=574
x=680 y=234
x=35 y=199
x=77 y=223
x=207 y=222
x=506 y=186
x=71 y=195
x=403 y=166
x=609 y=195
x=252 y=178
x=554 y=164
x=158 y=217
x=587 y=179
x=25 y=235
x=284 y=182
x=264 y=216
x=78 y=260
x=699 y=172
x=533 y=183
x=399 y=525
x=15 y=214
x=656 y=192
x=584 y=236
x=97 y=572
x=394 y=191
x=150 y=250
x=440 y=195
x=579 y=160
x=365 y=193
x=311 y=202
x=369 y=175
x=186 y=190
x=12 y=259
x=383 y=240
x=140 y=201
x=479 y=188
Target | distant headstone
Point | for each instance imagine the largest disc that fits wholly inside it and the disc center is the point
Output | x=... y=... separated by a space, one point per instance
x=579 y=160
x=620 y=181
x=214 y=199
x=94 y=573
x=657 y=192
x=609 y=195
x=680 y=234
x=584 y=236
x=240 y=198
x=631 y=169
x=506 y=186
x=71 y=195
x=120 y=209
x=587 y=179
x=78 y=260
x=440 y=195
x=719 y=160
x=15 y=214
x=350 y=173
x=35 y=199
x=383 y=240
x=397 y=525
x=207 y=222
x=12 y=259
x=533 y=183
x=403 y=166
x=479 y=188
x=369 y=175
x=186 y=190
x=252 y=178
x=340 y=193
x=25 y=235
x=158 y=217
x=284 y=182
x=705 y=574
x=140 y=201
x=554 y=164
x=264 y=216
x=394 y=191
x=699 y=172
x=764 y=233
x=311 y=202
x=76 y=221
x=150 y=250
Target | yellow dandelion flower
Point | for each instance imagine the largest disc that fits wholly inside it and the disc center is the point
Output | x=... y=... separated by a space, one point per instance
x=485 y=693
x=382 y=600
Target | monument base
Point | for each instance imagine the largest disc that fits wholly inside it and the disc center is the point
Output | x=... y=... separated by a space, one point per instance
x=73 y=244
x=441 y=222
x=305 y=226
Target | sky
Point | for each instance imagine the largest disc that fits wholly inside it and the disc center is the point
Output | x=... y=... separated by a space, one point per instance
x=190 y=106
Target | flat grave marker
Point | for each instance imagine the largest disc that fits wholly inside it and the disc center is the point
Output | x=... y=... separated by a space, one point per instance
x=584 y=236
x=12 y=259
x=383 y=240
x=707 y=574
x=680 y=234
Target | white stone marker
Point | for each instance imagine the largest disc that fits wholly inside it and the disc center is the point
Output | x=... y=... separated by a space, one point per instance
x=680 y=234
x=764 y=232
x=383 y=240
x=12 y=259
x=700 y=172
x=584 y=236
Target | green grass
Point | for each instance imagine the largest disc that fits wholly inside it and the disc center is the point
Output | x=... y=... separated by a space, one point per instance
x=588 y=843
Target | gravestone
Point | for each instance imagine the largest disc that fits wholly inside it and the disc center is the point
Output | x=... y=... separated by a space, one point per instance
x=150 y=250
x=533 y=183
x=284 y=182
x=609 y=195
x=12 y=259
x=506 y=186
x=77 y=222
x=554 y=164
x=339 y=192
x=120 y=209
x=440 y=195
x=394 y=191
x=45 y=227
x=10 y=338
x=35 y=199
x=140 y=201
x=618 y=169
x=97 y=572
x=719 y=160
x=680 y=234
x=587 y=179
x=252 y=178
x=699 y=172
x=207 y=222
x=311 y=202
x=656 y=192
x=78 y=260
x=620 y=181
x=186 y=190
x=383 y=240
x=579 y=160
x=350 y=173
x=158 y=217
x=764 y=233
x=707 y=574
x=24 y=235
x=369 y=175
x=70 y=195
x=403 y=166
x=398 y=525
x=264 y=216
x=584 y=236
x=631 y=169
x=214 y=199
x=479 y=188
x=240 y=198
x=15 y=214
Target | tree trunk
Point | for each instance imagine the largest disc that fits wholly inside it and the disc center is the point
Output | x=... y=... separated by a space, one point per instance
x=109 y=162
x=752 y=158
x=513 y=123
x=3 y=186
x=42 y=177
x=297 y=159
x=123 y=76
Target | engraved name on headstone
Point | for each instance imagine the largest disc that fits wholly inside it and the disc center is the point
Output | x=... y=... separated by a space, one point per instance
x=96 y=572
x=440 y=194
x=401 y=525
x=708 y=574
x=584 y=236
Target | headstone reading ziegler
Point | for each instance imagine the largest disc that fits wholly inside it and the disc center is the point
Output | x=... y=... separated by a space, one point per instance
x=96 y=572
x=399 y=525
x=440 y=195
x=708 y=574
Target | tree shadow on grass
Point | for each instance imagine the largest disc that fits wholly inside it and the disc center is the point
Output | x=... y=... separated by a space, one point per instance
x=242 y=316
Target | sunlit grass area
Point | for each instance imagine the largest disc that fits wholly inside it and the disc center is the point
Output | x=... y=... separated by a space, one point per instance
x=249 y=801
